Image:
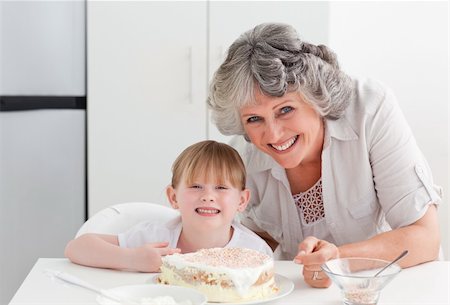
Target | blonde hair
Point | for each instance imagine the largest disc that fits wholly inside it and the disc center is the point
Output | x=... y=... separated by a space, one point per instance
x=209 y=160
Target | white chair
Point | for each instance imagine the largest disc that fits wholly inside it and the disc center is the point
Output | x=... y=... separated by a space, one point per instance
x=120 y=217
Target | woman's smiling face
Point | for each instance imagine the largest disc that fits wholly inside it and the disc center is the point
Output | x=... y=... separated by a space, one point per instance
x=286 y=128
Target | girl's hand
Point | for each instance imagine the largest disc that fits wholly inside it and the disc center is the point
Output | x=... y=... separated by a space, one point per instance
x=312 y=254
x=147 y=258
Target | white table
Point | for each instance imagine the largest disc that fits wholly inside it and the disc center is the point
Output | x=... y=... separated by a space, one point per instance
x=423 y=284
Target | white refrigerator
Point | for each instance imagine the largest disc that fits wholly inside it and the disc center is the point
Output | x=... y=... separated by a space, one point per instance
x=42 y=133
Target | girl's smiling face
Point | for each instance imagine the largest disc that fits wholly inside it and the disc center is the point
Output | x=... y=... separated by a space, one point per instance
x=286 y=128
x=208 y=205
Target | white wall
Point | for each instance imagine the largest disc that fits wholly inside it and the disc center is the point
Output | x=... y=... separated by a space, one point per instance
x=405 y=45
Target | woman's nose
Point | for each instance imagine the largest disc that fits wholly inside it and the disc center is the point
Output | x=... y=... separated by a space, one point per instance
x=273 y=131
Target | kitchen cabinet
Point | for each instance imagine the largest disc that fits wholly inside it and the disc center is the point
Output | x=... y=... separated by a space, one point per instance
x=146 y=93
x=149 y=64
x=42 y=48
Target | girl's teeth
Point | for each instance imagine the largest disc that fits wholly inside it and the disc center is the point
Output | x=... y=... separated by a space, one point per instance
x=207 y=211
x=286 y=145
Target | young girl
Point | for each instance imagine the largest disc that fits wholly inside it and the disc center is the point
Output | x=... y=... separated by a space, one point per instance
x=208 y=188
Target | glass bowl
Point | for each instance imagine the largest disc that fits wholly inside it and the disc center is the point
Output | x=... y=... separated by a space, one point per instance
x=355 y=277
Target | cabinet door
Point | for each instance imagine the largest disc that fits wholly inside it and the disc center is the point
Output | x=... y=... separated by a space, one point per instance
x=229 y=19
x=42 y=47
x=146 y=95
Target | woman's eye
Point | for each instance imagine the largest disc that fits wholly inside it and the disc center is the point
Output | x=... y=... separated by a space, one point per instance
x=286 y=109
x=253 y=119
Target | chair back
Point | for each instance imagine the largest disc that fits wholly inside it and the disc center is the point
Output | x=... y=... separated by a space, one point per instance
x=120 y=217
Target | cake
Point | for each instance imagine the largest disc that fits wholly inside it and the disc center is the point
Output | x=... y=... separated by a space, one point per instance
x=222 y=274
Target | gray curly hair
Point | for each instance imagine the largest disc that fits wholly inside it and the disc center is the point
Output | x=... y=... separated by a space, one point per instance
x=273 y=57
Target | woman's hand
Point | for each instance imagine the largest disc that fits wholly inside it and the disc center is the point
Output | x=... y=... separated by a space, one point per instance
x=312 y=254
x=147 y=258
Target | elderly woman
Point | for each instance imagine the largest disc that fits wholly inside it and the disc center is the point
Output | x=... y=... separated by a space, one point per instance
x=333 y=167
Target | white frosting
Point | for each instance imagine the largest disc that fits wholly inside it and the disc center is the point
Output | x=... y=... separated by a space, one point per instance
x=242 y=277
x=217 y=293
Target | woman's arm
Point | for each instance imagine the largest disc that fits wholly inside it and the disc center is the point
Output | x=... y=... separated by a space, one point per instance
x=421 y=239
x=103 y=251
x=404 y=187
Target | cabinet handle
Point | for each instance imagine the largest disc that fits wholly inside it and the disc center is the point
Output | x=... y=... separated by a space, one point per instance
x=191 y=76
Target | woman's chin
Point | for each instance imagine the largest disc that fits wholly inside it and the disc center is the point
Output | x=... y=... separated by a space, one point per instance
x=288 y=165
x=287 y=161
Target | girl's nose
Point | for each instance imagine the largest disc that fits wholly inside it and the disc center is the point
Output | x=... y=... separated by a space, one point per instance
x=207 y=196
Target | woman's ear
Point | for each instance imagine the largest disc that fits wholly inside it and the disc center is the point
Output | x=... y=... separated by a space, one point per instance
x=172 y=197
x=244 y=199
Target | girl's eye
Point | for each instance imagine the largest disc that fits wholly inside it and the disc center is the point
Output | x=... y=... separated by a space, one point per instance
x=222 y=187
x=286 y=109
x=196 y=186
x=253 y=119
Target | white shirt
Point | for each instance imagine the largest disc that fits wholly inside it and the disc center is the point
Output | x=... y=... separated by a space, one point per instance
x=151 y=232
x=374 y=176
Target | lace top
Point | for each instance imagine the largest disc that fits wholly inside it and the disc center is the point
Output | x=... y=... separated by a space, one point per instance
x=312 y=213
x=310 y=203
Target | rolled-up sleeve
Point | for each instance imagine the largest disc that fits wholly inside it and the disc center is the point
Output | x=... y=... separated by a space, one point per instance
x=403 y=179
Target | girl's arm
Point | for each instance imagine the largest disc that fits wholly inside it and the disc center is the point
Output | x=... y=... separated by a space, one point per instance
x=103 y=251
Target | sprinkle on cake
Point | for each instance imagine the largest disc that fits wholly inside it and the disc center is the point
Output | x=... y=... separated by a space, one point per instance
x=229 y=257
